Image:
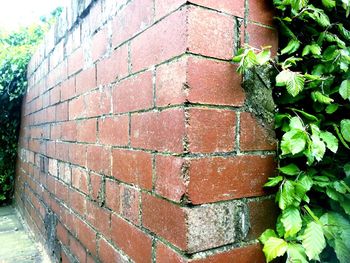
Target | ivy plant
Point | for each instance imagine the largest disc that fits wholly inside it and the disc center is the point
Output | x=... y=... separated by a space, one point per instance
x=16 y=49
x=312 y=121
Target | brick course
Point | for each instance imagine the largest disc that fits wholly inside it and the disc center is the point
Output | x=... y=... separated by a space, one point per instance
x=136 y=143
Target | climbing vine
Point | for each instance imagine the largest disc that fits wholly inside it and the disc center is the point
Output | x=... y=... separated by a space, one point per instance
x=16 y=49
x=312 y=122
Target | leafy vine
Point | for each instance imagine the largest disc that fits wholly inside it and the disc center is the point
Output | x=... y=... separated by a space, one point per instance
x=312 y=122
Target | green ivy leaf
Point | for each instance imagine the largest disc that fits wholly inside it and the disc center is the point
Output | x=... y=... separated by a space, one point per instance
x=286 y=195
x=342 y=251
x=274 y=247
x=273 y=181
x=293 y=142
x=293 y=81
x=314 y=49
x=344 y=89
x=292 y=46
x=264 y=56
x=330 y=140
x=313 y=240
x=296 y=254
x=291 y=221
x=345 y=129
x=266 y=235
x=329 y=3
x=321 y=98
x=330 y=109
x=290 y=169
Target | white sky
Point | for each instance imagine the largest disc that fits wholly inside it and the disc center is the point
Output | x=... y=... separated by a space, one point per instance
x=15 y=13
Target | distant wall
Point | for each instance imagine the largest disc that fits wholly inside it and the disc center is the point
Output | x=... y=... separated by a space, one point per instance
x=136 y=141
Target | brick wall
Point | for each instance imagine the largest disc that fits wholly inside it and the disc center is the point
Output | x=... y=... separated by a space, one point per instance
x=136 y=142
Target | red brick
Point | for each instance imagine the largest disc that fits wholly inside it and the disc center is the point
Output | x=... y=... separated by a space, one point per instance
x=77 y=154
x=62 y=150
x=114 y=130
x=55 y=131
x=107 y=253
x=260 y=36
x=248 y=254
x=170 y=43
x=68 y=89
x=211 y=130
x=86 y=80
x=99 y=218
x=86 y=235
x=55 y=95
x=76 y=108
x=77 y=249
x=170 y=182
x=77 y=201
x=214 y=82
x=75 y=61
x=233 y=7
x=130 y=203
x=253 y=136
x=166 y=255
x=133 y=167
x=262 y=215
x=80 y=179
x=98 y=159
x=162 y=131
x=114 y=67
x=210 y=33
x=98 y=103
x=171 y=83
x=100 y=44
x=113 y=195
x=96 y=185
x=173 y=218
x=164 y=7
x=229 y=177
x=61 y=191
x=136 y=16
x=69 y=131
x=87 y=130
x=261 y=11
x=138 y=91
x=62 y=111
x=136 y=244
x=64 y=257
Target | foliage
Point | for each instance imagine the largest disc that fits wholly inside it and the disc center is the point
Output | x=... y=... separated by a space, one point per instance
x=312 y=121
x=16 y=49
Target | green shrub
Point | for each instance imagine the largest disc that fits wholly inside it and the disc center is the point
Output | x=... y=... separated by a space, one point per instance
x=16 y=49
x=312 y=121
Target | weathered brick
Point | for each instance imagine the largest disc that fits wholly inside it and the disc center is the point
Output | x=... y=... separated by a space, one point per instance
x=96 y=186
x=214 y=82
x=55 y=95
x=253 y=136
x=133 y=167
x=170 y=43
x=98 y=103
x=130 y=203
x=131 y=240
x=80 y=179
x=166 y=255
x=261 y=11
x=100 y=43
x=86 y=130
x=69 y=131
x=162 y=131
x=173 y=218
x=77 y=154
x=107 y=253
x=210 y=33
x=113 y=195
x=139 y=93
x=114 y=67
x=75 y=61
x=99 y=218
x=77 y=249
x=229 y=177
x=68 y=89
x=62 y=234
x=114 y=130
x=86 y=80
x=76 y=108
x=86 y=235
x=99 y=159
x=248 y=254
x=133 y=18
x=77 y=202
x=170 y=181
x=211 y=130
x=260 y=36
x=62 y=111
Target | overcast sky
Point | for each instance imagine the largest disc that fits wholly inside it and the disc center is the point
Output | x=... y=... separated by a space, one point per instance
x=15 y=13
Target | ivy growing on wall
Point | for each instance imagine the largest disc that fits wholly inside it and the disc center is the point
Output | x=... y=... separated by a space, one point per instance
x=312 y=122
x=16 y=49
